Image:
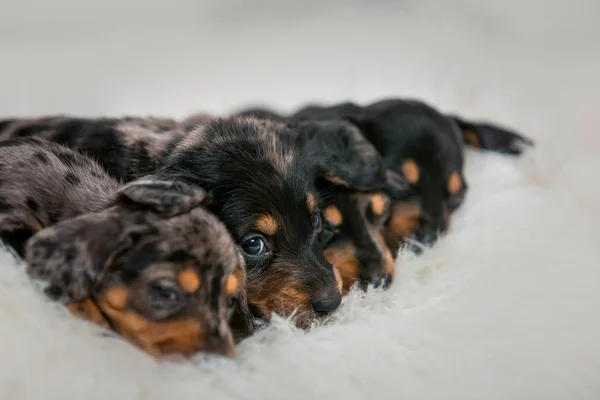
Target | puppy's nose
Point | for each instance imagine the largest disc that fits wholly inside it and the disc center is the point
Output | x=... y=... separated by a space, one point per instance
x=327 y=305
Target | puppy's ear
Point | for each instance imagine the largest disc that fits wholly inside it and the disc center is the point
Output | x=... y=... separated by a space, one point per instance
x=167 y=198
x=341 y=154
x=71 y=256
x=241 y=323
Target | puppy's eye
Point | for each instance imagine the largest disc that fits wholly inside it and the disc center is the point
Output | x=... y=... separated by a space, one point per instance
x=254 y=246
x=316 y=220
x=164 y=294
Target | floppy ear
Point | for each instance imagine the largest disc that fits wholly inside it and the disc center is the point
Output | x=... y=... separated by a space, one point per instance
x=71 y=256
x=241 y=322
x=167 y=198
x=341 y=154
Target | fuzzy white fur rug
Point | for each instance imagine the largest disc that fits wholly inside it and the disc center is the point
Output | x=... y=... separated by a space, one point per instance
x=505 y=307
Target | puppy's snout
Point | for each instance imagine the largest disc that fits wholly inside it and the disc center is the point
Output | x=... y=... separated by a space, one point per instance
x=326 y=302
x=429 y=230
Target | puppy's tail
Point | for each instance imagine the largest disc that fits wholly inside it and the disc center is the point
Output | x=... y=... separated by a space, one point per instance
x=491 y=137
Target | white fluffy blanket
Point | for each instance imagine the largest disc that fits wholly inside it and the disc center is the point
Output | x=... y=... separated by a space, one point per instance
x=505 y=307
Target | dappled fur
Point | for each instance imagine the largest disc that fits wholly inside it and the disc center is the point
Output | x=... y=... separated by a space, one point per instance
x=85 y=236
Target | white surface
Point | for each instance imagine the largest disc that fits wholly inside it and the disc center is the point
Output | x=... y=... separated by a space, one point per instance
x=505 y=307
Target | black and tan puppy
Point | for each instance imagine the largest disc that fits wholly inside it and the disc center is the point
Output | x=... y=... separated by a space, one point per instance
x=143 y=259
x=427 y=148
x=354 y=242
x=261 y=175
x=357 y=246
x=262 y=188
x=356 y=213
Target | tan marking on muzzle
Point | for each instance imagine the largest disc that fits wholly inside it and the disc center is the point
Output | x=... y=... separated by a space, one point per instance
x=344 y=260
x=338 y=280
x=404 y=219
x=282 y=295
x=181 y=336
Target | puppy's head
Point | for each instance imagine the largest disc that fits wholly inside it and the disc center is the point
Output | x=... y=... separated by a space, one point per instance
x=420 y=144
x=356 y=204
x=358 y=248
x=158 y=269
x=262 y=188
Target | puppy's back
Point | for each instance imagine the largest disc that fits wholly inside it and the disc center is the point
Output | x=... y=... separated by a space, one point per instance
x=50 y=182
x=126 y=147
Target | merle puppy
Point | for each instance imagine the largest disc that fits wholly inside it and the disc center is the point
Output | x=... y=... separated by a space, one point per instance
x=143 y=259
x=126 y=147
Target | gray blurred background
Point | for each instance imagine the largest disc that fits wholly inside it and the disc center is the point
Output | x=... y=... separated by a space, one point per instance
x=501 y=59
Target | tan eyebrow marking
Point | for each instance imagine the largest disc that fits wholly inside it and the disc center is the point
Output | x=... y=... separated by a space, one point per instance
x=410 y=171
x=267 y=224
x=333 y=215
x=311 y=202
x=189 y=280
x=454 y=183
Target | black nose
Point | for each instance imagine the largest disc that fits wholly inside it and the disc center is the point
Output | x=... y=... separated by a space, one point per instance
x=377 y=280
x=327 y=305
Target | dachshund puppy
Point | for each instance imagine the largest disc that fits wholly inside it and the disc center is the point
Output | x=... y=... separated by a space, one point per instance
x=143 y=259
x=261 y=175
x=357 y=246
x=354 y=239
x=356 y=214
x=427 y=148
x=261 y=187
